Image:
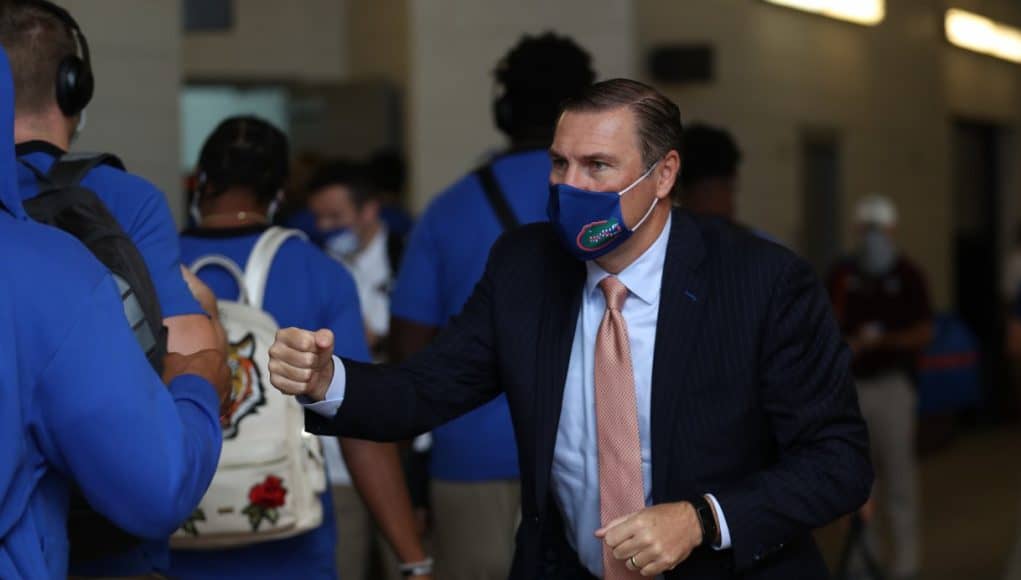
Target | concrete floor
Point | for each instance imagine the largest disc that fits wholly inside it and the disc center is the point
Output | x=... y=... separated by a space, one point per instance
x=971 y=507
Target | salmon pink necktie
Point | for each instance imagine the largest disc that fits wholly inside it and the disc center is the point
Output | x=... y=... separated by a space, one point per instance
x=621 y=492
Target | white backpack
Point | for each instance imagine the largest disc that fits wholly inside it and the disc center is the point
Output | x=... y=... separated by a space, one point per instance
x=271 y=471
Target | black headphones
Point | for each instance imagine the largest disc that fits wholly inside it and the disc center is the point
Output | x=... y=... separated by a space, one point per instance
x=75 y=82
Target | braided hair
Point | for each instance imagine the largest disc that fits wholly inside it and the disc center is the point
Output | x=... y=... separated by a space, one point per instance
x=244 y=151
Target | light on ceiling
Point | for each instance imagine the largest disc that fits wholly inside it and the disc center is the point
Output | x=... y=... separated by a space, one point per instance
x=980 y=34
x=867 y=12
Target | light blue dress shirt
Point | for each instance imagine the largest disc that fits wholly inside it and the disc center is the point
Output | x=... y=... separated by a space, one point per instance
x=575 y=457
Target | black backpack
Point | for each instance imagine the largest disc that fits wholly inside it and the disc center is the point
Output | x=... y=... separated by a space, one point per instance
x=63 y=203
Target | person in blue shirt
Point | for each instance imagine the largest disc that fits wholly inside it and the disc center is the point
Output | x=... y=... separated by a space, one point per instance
x=710 y=176
x=39 y=38
x=242 y=168
x=474 y=469
x=79 y=402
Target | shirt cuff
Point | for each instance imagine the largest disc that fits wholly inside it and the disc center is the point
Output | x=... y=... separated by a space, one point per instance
x=724 y=530
x=334 y=395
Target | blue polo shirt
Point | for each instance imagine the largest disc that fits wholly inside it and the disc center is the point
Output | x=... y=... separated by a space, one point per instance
x=305 y=289
x=444 y=258
x=142 y=212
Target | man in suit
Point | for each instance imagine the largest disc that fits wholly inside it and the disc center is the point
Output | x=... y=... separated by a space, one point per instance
x=680 y=392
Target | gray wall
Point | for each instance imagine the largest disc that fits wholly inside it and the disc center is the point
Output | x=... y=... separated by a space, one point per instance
x=136 y=57
x=455 y=44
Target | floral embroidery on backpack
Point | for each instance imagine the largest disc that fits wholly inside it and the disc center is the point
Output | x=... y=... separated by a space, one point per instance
x=264 y=499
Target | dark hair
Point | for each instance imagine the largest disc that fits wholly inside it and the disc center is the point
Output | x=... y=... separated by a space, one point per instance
x=355 y=176
x=709 y=152
x=388 y=170
x=537 y=74
x=244 y=152
x=36 y=41
x=658 y=118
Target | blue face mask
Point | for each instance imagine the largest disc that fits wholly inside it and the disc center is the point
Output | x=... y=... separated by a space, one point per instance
x=591 y=224
x=340 y=243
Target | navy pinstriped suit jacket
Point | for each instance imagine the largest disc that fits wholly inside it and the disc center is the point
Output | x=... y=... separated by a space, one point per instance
x=752 y=397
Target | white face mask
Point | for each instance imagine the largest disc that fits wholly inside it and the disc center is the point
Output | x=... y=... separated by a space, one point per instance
x=274 y=207
x=342 y=244
x=878 y=253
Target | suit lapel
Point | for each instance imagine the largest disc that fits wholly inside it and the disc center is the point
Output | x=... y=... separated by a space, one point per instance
x=681 y=305
x=561 y=306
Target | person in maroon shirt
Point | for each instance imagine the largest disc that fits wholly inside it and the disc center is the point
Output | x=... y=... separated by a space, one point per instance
x=882 y=304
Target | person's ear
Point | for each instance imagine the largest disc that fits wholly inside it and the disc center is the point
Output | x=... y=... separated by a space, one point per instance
x=371 y=211
x=667 y=173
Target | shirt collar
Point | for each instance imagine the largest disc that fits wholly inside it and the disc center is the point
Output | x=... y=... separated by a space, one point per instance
x=643 y=277
x=374 y=253
x=30 y=147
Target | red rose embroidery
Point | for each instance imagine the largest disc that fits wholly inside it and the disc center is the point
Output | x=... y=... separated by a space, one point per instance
x=264 y=499
x=268 y=494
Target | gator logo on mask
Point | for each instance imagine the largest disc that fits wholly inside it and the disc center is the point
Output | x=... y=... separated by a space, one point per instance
x=247 y=392
x=597 y=234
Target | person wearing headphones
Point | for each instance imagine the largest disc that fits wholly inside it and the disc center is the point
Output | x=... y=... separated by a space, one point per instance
x=473 y=467
x=77 y=410
x=53 y=83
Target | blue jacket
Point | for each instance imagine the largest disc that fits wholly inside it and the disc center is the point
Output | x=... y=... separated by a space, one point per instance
x=78 y=401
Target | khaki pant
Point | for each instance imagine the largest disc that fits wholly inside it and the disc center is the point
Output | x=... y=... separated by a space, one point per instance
x=359 y=542
x=474 y=525
x=889 y=405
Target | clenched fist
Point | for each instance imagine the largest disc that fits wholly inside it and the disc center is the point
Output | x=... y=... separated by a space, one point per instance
x=301 y=362
x=655 y=539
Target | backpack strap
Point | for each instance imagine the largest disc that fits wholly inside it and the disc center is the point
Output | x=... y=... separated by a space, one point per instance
x=71 y=168
x=135 y=315
x=261 y=259
x=497 y=199
x=227 y=264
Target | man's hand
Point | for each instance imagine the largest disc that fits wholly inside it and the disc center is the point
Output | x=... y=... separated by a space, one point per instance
x=869 y=338
x=868 y=511
x=301 y=362
x=659 y=538
x=210 y=365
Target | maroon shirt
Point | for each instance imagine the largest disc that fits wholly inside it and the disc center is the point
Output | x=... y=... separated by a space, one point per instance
x=895 y=301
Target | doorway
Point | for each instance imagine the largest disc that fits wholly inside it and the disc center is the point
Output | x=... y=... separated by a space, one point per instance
x=977 y=198
x=821 y=242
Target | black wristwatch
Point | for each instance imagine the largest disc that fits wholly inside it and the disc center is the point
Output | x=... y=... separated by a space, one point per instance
x=706 y=519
